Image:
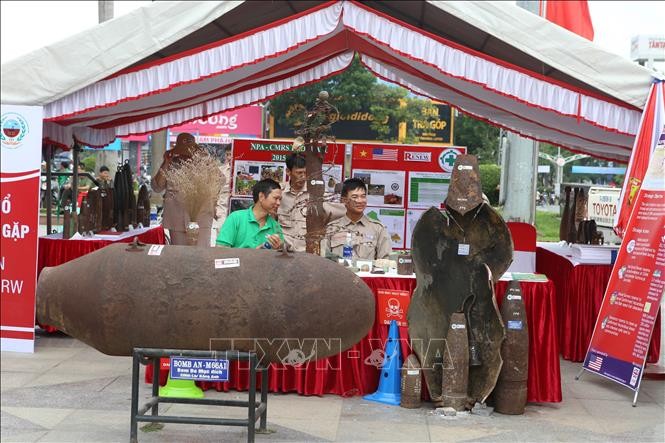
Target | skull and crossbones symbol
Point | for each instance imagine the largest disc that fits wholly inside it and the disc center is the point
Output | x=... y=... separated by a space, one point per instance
x=394 y=308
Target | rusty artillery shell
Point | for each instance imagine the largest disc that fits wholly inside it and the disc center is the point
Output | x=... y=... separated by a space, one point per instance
x=455 y=378
x=510 y=392
x=405 y=264
x=411 y=386
x=288 y=308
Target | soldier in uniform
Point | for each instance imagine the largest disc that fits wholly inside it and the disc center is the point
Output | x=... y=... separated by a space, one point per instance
x=292 y=211
x=369 y=238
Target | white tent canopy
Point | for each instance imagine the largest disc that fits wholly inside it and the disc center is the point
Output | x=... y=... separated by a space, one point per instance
x=173 y=62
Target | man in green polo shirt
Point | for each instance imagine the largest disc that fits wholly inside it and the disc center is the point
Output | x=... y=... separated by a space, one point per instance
x=255 y=226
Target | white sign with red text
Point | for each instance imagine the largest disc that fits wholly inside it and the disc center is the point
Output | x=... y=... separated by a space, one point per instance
x=21 y=149
x=602 y=205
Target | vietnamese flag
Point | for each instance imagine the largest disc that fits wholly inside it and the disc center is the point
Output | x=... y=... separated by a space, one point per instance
x=572 y=15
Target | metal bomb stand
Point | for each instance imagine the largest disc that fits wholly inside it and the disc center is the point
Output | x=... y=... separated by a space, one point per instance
x=255 y=409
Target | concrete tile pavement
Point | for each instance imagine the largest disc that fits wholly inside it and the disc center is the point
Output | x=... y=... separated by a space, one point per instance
x=69 y=392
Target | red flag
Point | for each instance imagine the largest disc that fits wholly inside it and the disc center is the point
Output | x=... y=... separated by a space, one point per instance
x=572 y=15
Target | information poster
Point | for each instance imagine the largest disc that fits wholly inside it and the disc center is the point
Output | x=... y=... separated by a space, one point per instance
x=412 y=217
x=384 y=188
x=247 y=173
x=412 y=178
x=257 y=159
x=427 y=189
x=393 y=220
x=621 y=336
x=21 y=148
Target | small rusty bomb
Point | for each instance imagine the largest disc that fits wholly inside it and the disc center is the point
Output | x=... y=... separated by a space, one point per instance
x=510 y=393
x=411 y=385
x=456 y=365
x=458 y=255
x=120 y=297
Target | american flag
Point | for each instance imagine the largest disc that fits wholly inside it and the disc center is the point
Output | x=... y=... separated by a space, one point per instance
x=595 y=363
x=384 y=154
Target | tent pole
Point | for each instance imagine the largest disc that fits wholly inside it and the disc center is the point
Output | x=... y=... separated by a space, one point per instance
x=49 y=202
x=75 y=177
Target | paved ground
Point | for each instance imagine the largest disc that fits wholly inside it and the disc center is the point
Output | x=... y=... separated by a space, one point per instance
x=69 y=392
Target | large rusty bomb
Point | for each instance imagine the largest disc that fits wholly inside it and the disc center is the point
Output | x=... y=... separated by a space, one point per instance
x=285 y=307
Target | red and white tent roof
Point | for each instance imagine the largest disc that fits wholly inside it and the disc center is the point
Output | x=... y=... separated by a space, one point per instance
x=569 y=107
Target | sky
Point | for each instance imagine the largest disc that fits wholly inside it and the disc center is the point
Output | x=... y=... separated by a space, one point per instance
x=29 y=25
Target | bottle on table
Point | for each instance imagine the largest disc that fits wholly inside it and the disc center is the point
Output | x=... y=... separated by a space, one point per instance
x=347 y=251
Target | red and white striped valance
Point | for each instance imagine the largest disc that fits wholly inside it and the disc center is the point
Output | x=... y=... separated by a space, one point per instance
x=320 y=42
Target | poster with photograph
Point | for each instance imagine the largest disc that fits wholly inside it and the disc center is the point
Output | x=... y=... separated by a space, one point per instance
x=236 y=203
x=247 y=173
x=412 y=217
x=427 y=189
x=332 y=175
x=384 y=188
x=393 y=220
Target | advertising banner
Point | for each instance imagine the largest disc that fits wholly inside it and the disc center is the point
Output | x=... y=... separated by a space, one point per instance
x=21 y=149
x=245 y=121
x=627 y=316
x=393 y=305
x=653 y=119
x=434 y=125
x=256 y=159
x=602 y=205
x=402 y=182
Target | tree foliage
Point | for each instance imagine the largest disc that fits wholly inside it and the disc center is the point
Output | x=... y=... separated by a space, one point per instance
x=480 y=138
x=355 y=89
x=490 y=176
x=349 y=91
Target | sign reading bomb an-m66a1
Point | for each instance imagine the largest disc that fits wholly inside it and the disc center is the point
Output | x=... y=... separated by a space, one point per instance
x=21 y=148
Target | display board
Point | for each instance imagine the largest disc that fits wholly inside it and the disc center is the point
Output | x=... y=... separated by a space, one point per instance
x=257 y=159
x=21 y=135
x=628 y=313
x=402 y=182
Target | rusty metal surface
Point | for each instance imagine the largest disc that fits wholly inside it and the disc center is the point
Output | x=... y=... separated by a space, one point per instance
x=106 y=197
x=405 y=264
x=411 y=384
x=485 y=322
x=278 y=305
x=455 y=377
x=510 y=393
x=143 y=206
x=445 y=280
x=465 y=192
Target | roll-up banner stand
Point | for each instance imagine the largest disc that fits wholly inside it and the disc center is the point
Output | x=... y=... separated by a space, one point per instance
x=20 y=169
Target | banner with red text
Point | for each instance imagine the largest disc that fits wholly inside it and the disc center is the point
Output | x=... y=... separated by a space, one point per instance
x=393 y=305
x=21 y=148
x=627 y=316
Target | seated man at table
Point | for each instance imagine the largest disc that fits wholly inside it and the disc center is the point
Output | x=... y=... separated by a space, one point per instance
x=255 y=227
x=369 y=238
